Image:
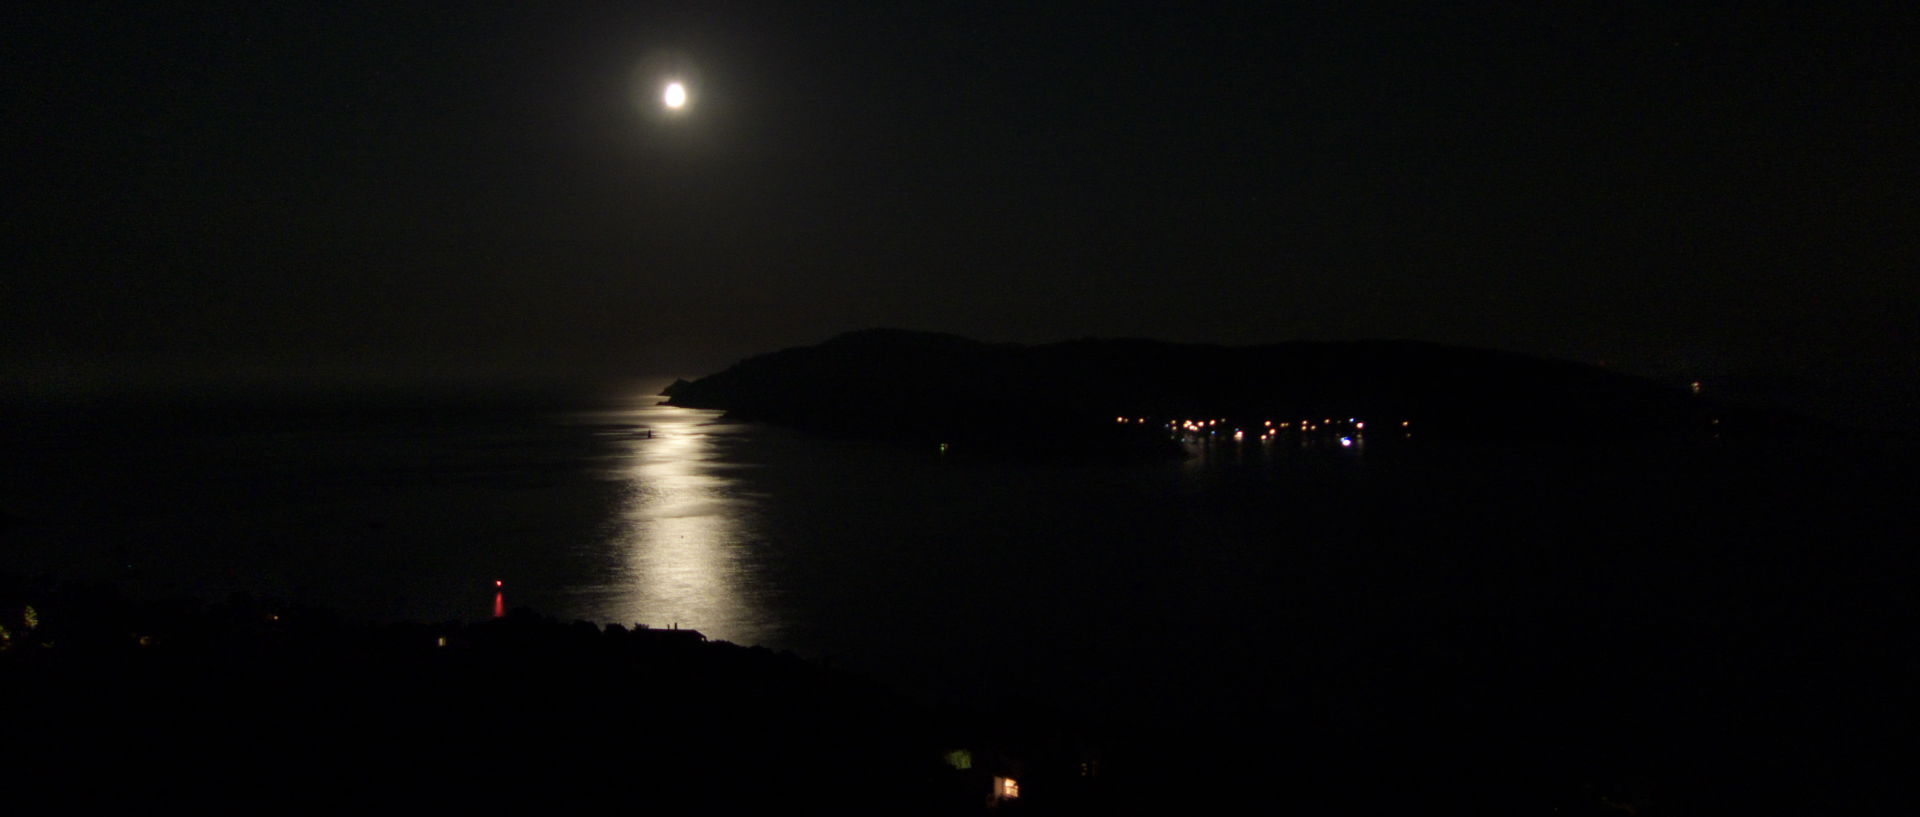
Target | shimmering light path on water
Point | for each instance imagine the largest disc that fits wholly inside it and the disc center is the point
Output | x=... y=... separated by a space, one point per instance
x=684 y=525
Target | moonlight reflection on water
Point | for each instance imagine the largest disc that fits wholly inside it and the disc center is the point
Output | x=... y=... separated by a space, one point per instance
x=684 y=527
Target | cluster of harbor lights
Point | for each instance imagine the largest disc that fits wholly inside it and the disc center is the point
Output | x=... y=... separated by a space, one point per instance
x=1349 y=432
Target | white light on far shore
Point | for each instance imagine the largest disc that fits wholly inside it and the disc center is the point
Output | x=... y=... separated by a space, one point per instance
x=676 y=95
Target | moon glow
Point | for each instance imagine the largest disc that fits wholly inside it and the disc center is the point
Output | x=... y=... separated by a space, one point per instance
x=676 y=95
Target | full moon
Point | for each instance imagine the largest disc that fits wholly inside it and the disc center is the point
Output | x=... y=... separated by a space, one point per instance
x=676 y=95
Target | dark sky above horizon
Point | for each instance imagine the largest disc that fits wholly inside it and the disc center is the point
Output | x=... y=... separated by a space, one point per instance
x=354 y=190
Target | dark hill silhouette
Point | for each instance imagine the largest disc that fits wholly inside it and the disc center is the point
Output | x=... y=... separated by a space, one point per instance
x=927 y=386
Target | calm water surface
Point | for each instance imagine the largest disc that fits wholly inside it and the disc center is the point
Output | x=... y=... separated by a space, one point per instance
x=1234 y=578
x=683 y=545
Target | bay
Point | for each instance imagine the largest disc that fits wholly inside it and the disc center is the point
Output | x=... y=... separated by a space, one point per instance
x=1249 y=577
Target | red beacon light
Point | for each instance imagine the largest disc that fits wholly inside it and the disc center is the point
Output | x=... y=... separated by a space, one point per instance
x=498 y=583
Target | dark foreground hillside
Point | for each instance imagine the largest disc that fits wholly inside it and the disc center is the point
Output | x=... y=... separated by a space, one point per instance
x=253 y=706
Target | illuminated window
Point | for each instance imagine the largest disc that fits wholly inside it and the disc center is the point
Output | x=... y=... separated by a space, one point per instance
x=1006 y=788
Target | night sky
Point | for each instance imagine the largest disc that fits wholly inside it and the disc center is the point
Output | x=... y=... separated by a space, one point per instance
x=349 y=192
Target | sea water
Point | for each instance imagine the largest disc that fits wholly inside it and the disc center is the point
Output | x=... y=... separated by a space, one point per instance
x=1250 y=575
